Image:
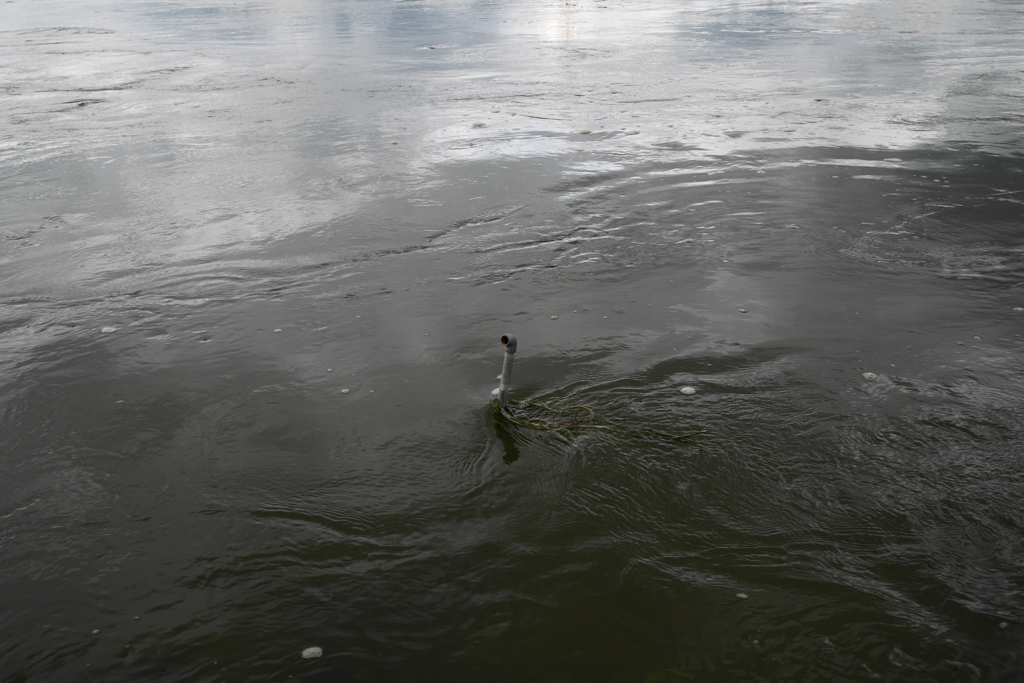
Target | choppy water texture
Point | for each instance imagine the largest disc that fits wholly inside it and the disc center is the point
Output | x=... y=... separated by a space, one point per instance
x=255 y=258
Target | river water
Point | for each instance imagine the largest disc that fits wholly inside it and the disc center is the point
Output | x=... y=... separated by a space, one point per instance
x=256 y=256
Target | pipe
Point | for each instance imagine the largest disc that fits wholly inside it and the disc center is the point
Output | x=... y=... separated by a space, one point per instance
x=509 y=342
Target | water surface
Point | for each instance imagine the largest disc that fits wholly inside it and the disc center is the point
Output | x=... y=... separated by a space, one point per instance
x=255 y=258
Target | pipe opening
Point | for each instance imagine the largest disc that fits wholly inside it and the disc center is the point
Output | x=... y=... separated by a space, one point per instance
x=504 y=340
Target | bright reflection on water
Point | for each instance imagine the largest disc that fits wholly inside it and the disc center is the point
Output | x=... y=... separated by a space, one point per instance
x=255 y=260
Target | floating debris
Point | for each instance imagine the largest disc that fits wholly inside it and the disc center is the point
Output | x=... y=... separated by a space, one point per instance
x=554 y=317
x=742 y=596
x=870 y=376
x=312 y=653
x=688 y=391
x=893 y=160
x=584 y=132
x=565 y=421
x=95 y=631
x=496 y=390
x=344 y=391
x=108 y=330
x=1018 y=309
x=742 y=310
x=277 y=330
x=632 y=132
x=562 y=419
x=1002 y=624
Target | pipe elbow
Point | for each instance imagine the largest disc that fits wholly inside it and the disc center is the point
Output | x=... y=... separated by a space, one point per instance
x=509 y=342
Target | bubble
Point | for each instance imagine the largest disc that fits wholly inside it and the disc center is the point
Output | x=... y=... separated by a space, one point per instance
x=870 y=376
x=312 y=653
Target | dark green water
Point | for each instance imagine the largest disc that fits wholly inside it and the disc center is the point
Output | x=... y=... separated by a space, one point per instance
x=255 y=259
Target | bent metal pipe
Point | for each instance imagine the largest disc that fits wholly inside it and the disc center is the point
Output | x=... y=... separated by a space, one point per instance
x=509 y=342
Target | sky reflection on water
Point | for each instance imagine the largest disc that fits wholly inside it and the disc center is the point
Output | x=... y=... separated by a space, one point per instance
x=255 y=259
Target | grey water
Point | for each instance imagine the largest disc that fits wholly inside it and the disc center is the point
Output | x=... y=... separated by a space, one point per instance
x=256 y=257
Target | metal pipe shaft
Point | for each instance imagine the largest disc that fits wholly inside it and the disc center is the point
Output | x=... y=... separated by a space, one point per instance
x=509 y=342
